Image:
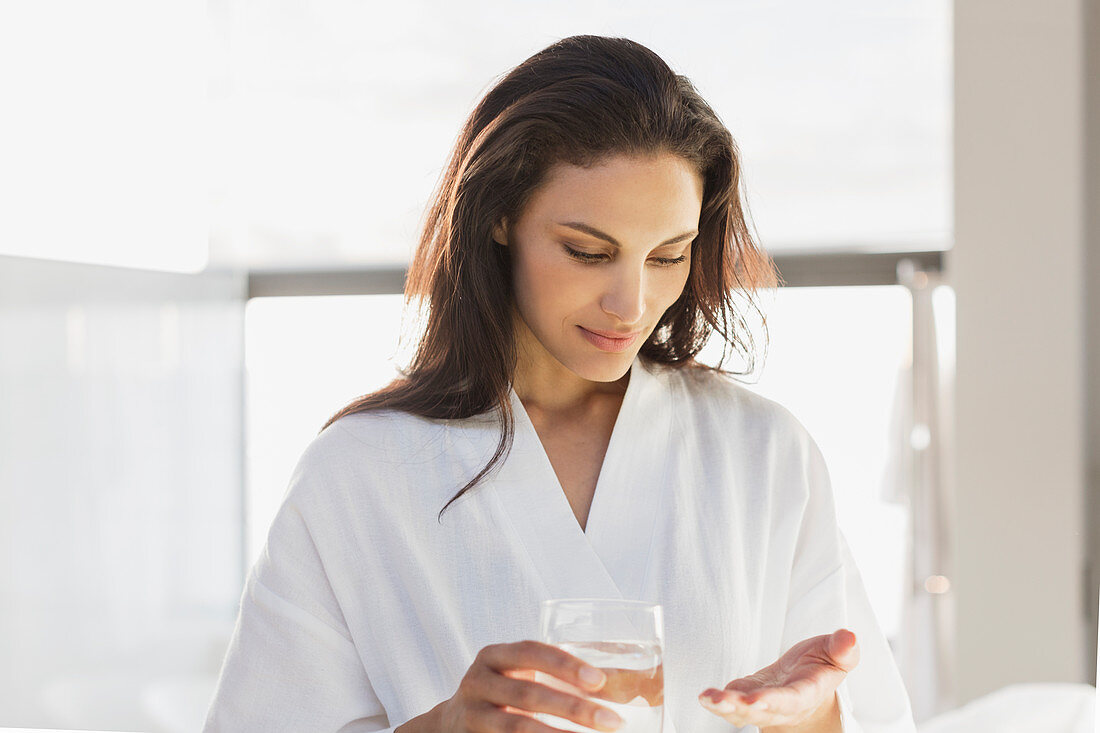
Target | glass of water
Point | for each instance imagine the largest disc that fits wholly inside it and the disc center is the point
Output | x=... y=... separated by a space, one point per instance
x=624 y=639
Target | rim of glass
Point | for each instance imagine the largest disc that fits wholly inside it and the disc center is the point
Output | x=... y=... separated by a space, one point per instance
x=607 y=601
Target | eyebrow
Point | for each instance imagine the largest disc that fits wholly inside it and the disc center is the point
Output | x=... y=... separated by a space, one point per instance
x=587 y=229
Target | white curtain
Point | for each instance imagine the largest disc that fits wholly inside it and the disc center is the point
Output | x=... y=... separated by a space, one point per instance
x=917 y=475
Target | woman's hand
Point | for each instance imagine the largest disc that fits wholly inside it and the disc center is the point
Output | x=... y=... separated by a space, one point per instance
x=791 y=690
x=498 y=692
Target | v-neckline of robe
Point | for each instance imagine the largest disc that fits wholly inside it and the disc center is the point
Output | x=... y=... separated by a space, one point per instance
x=524 y=417
x=610 y=557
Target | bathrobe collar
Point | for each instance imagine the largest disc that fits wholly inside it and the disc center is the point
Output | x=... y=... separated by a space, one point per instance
x=610 y=557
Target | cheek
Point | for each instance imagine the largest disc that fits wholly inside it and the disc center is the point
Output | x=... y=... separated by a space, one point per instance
x=546 y=288
x=669 y=288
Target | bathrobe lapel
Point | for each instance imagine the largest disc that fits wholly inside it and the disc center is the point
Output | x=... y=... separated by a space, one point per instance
x=609 y=559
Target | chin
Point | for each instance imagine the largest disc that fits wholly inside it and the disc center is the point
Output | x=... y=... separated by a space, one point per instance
x=604 y=367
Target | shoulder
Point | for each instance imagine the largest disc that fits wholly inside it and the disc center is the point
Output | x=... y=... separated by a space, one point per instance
x=381 y=428
x=719 y=400
x=737 y=429
x=361 y=451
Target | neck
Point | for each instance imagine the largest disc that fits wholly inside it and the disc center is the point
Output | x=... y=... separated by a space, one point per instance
x=544 y=384
x=550 y=392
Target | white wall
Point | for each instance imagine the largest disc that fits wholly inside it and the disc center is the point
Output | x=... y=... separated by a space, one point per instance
x=1092 y=313
x=1018 y=270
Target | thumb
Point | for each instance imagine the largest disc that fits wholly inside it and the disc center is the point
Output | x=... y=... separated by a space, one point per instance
x=843 y=649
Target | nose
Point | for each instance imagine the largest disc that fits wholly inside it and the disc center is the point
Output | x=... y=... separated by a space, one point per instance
x=624 y=296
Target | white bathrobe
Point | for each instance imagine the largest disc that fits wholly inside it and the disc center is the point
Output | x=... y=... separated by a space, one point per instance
x=364 y=611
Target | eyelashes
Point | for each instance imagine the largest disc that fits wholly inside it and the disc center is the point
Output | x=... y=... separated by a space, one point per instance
x=592 y=259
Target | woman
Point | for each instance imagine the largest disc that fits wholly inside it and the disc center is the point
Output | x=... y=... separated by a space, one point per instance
x=585 y=241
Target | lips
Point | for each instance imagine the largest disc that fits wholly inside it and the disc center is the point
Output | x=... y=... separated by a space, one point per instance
x=613 y=334
x=613 y=344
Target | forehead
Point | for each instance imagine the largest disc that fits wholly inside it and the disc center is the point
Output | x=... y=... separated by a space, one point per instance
x=624 y=193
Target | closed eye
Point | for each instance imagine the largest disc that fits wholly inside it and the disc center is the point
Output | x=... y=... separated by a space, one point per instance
x=582 y=256
x=589 y=258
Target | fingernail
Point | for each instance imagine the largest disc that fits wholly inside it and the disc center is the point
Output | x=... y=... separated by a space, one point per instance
x=592 y=676
x=607 y=719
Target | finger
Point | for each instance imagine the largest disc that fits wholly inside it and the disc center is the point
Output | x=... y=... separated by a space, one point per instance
x=732 y=696
x=732 y=707
x=755 y=697
x=544 y=657
x=744 y=686
x=536 y=697
x=493 y=718
x=843 y=649
x=790 y=699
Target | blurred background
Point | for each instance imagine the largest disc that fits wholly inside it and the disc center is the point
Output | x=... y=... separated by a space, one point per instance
x=206 y=211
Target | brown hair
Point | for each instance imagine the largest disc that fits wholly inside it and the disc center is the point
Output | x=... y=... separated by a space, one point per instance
x=578 y=101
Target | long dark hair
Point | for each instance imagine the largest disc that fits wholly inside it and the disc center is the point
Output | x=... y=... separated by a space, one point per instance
x=579 y=101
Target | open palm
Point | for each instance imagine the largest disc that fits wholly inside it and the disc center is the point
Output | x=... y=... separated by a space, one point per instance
x=791 y=689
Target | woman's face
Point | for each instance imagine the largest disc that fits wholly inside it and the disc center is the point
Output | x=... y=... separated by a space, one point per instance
x=603 y=249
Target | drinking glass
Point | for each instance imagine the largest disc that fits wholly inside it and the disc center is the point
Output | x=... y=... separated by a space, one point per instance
x=624 y=639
